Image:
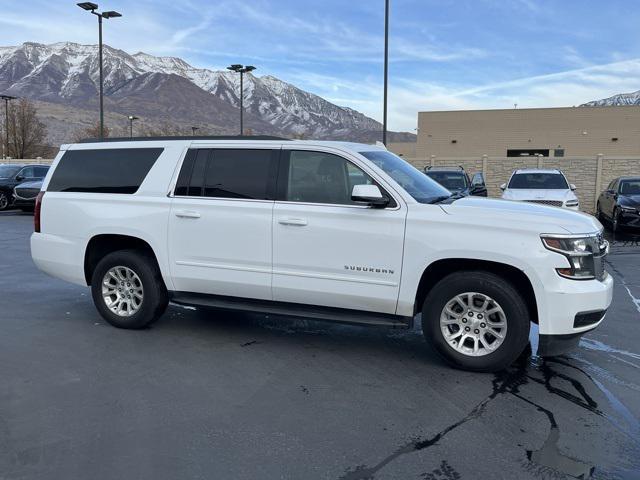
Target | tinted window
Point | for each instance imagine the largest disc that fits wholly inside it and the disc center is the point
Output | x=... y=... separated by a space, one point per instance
x=41 y=172
x=412 y=180
x=27 y=172
x=119 y=170
x=449 y=180
x=317 y=177
x=226 y=173
x=539 y=181
x=630 y=187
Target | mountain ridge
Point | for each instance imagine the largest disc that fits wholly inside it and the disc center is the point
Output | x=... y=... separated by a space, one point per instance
x=149 y=87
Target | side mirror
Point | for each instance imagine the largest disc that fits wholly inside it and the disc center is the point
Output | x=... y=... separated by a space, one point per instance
x=19 y=178
x=369 y=194
x=611 y=192
x=503 y=187
x=573 y=187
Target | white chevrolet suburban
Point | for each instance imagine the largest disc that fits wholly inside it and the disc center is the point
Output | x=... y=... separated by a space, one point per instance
x=326 y=230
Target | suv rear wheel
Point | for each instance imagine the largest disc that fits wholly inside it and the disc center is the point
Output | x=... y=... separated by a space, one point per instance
x=128 y=290
x=476 y=320
x=5 y=200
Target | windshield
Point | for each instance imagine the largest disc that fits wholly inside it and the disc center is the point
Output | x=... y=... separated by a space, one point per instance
x=416 y=183
x=630 y=187
x=539 y=181
x=450 y=180
x=8 y=171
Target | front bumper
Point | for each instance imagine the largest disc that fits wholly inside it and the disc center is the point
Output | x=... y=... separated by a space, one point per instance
x=629 y=219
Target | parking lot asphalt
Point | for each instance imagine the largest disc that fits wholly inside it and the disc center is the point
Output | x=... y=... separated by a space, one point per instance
x=212 y=395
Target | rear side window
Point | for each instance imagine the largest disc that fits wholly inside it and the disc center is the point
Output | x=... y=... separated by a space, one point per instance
x=116 y=170
x=228 y=173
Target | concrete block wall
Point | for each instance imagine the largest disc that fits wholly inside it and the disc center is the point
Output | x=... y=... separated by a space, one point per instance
x=590 y=175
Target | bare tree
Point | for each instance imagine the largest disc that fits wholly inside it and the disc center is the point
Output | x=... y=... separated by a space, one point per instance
x=90 y=132
x=27 y=133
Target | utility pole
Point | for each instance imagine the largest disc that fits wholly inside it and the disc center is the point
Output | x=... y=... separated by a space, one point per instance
x=386 y=71
x=241 y=69
x=91 y=8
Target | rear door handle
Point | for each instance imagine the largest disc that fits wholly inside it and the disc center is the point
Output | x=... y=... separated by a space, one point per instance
x=187 y=214
x=297 y=222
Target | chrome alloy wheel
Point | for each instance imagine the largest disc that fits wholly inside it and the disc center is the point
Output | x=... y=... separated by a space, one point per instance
x=473 y=324
x=122 y=291
x=4 y=201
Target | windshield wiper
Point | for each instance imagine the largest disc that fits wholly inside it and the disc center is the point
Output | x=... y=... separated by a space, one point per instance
x=442 y=198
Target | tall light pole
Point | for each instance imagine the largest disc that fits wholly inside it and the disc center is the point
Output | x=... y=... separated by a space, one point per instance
x=7 y=99
x=386 y=71
x=92 y=7
x=241 y=69
x=131 y=119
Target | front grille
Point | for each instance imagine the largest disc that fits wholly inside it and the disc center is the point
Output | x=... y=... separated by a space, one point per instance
x=584 y=319
x=551 y=203
x=600 y=248
x=27 y=193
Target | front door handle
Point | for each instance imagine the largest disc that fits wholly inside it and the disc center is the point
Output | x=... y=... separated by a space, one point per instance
x=187 y=214
x=296 y=222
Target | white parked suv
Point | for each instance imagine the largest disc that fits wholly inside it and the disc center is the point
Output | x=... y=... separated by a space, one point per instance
x=548 y=187
x=327 y=230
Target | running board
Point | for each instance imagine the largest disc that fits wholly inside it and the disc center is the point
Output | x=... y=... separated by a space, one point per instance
x=315 y=312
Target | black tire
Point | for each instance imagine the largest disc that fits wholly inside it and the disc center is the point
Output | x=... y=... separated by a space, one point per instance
x=491 y=285
x=599 y=214
x=5 y=200
x=155 y=298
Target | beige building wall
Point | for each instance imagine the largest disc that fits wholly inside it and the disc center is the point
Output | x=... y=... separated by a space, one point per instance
x=580 y=131
x=403 y=149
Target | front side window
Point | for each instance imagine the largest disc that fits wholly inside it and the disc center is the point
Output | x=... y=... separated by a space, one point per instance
x=538 y=181
x=228 y=173
x=318 y=177
x=27 y=172
x=41 y=172
x=413 y=181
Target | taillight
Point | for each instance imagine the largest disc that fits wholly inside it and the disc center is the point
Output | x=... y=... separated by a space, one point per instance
x=36 y=212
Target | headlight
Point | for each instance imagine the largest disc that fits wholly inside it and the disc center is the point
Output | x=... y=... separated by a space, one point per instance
x=580 y=252
x=572 y=203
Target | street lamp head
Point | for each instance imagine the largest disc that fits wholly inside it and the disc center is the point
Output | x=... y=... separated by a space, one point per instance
x=133 y=117
x=111 y=14
x=235 y=67
x=249 y=68
x=89 y=6
x=7 y=97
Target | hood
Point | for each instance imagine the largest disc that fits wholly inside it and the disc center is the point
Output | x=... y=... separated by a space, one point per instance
x=522 y=215
x=37 y=184
x=538 y=194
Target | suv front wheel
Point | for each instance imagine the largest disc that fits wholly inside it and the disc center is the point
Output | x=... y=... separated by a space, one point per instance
x=476 y=320
x=128 y=290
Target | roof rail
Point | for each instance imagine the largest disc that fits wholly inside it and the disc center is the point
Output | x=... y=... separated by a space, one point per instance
x=183 y=137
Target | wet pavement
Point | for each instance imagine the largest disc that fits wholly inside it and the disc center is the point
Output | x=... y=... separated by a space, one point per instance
x=209 y=395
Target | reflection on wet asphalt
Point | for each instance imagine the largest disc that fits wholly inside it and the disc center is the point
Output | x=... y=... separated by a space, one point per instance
x=241 y=396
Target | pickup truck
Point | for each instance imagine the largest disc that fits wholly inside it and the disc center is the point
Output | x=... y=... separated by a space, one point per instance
x=332 y=231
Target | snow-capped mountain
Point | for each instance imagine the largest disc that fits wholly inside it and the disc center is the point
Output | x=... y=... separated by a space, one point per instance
x=616 y=101
x=169 y=89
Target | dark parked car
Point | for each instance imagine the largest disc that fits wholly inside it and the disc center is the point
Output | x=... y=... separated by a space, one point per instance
x=24 y=195
x=619 y=204
x=457 y=181
x=12 y=175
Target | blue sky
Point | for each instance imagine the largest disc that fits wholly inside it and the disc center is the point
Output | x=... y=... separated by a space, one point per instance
x=445 y=54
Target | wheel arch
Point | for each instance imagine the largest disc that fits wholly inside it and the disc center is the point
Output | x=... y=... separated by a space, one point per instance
x=103 y=244
x=441 y=268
